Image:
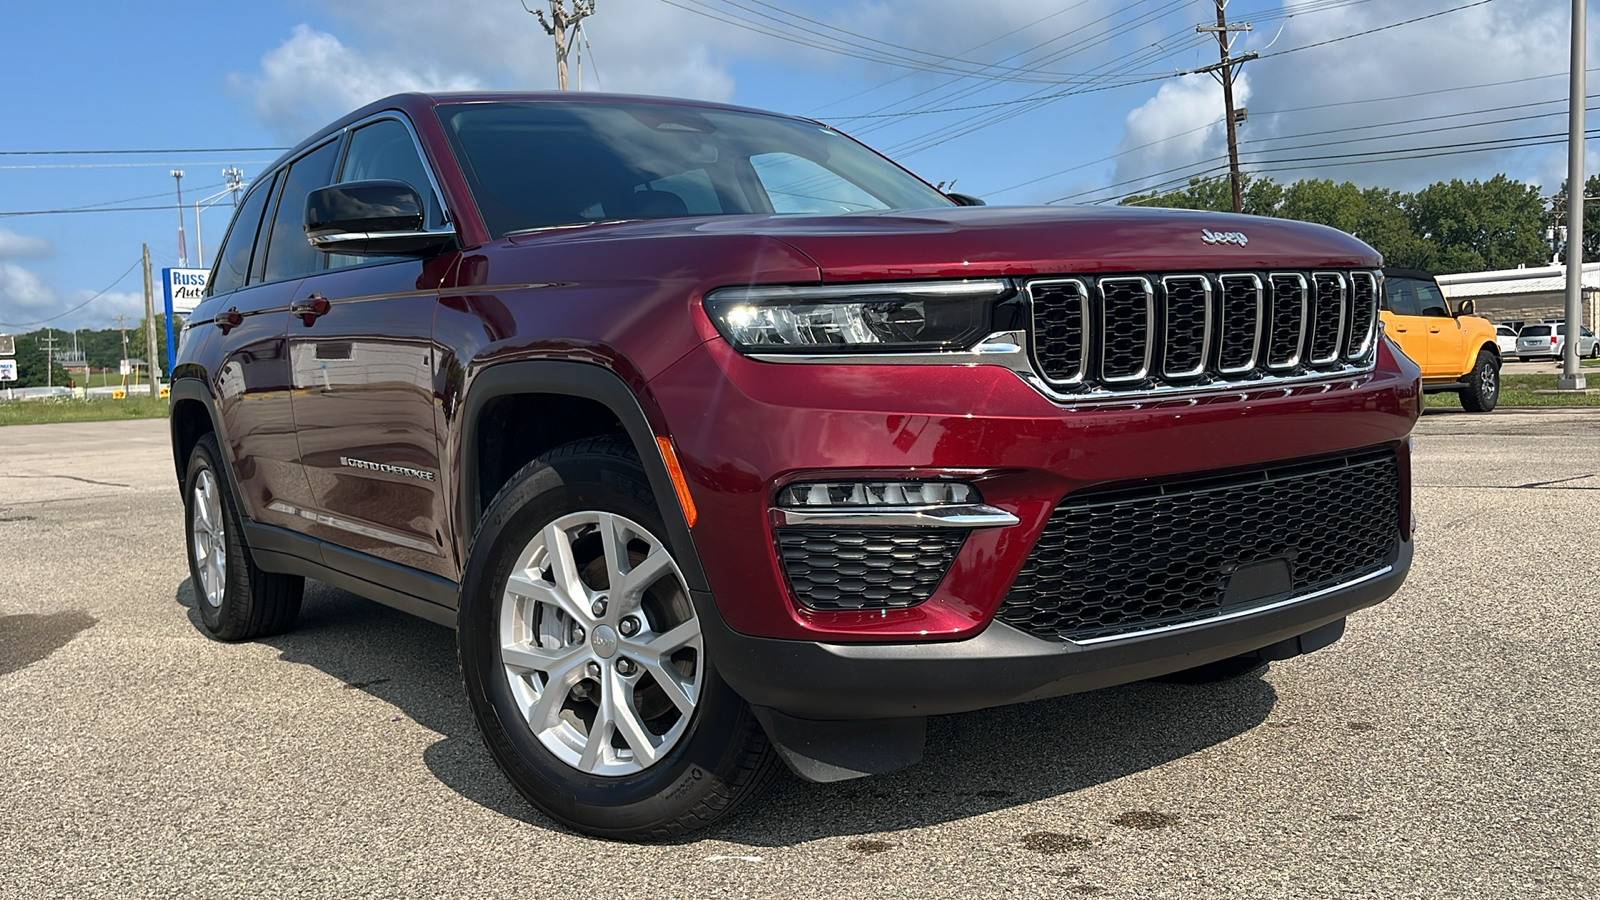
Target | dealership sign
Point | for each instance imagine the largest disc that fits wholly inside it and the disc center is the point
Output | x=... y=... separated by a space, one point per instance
x=185 y=288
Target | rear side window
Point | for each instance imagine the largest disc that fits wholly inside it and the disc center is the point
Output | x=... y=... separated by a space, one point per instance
x=289 y=254
x=1401 y=296
x=233 y=261
x=1503 y=331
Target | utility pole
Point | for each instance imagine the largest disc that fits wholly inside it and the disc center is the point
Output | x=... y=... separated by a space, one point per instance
x=1571 y=378
x=1224 y=71
x=49 y=343
x=183 y=249
x=150 y=317
x=561 y=25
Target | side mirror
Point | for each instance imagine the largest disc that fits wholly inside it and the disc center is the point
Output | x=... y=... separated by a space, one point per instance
x=1466 y=309
x=966 y=200
x=370 y=218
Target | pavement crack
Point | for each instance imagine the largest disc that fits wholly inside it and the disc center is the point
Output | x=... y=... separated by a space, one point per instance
x=71 y=477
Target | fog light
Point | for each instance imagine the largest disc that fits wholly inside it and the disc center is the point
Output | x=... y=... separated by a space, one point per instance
x=867 y=494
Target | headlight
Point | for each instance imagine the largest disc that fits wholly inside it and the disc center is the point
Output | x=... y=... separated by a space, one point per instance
x=872 y=318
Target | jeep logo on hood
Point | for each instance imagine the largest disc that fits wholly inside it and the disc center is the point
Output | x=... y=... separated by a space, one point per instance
x=1223 y=237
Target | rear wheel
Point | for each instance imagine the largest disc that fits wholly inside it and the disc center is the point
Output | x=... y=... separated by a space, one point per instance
x=1483 y=384
x=584 y=660
x=237 y=600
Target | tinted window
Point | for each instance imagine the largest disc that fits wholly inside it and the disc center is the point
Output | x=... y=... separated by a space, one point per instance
x=290 y=255
x=1401 y=294
x=548 y=164
x=1535 y=331
x=1503 y=331
x=385 y=150
x=233 y=261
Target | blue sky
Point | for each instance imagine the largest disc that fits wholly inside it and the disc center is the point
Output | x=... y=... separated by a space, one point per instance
x=176 y=75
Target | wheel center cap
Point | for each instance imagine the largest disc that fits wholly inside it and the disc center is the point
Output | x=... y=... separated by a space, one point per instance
x=604 y=641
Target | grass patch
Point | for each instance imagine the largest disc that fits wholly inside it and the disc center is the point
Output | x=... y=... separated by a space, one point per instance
x=42 y=412
x=1518 y=390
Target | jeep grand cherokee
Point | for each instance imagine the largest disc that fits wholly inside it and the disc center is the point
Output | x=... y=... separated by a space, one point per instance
x=720 y=439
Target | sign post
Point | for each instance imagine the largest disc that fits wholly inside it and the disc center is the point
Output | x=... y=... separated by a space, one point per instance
x=184 y=289
x=8 y=366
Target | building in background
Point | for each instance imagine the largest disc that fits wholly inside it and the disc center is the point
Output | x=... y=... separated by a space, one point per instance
x=1522 y=295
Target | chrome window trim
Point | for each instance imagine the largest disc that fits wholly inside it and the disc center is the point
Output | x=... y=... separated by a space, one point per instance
x=972 y=515
x=1149 y=327
x=1300 y=342
x=1345 y=299
x=1261 y=302
x=1236 y=614
x=1083 y=312
x=1166 y=325
x=334 y=241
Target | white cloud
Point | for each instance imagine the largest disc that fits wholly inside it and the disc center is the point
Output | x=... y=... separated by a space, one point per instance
x=391 y=46
x=313 y=77
x=1177 y=130
x=1424 y=65
x=26 y=298
x=23 y=246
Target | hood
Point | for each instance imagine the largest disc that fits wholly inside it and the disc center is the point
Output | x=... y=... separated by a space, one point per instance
x=1018 y=241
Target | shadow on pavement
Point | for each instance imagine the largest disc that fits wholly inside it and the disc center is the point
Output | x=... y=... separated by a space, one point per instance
x=975 y=763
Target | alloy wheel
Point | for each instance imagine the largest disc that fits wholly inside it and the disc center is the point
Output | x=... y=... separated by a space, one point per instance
x=210 y=545
x=600 y=643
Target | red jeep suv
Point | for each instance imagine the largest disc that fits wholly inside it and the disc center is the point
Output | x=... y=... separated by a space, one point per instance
x=721 y=439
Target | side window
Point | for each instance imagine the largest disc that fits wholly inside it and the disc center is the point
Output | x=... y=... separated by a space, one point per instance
x=233 y=260
x=385 y=150
x=1401 y=294
x=289 y=254
x=795 y=184
x=1431 y=301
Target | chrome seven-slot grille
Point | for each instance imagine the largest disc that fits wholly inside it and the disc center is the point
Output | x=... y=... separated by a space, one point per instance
x=1132 y=333
x=1121 y=562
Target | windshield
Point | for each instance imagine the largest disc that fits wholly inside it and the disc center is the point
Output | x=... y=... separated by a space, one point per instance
x=547 y=164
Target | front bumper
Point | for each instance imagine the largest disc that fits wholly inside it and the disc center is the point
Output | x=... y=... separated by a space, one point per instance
x=743 y=429
x=1001 y=665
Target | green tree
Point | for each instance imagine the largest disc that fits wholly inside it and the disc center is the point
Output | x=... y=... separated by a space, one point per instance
x=1591 y=216
x=32 y=359
x=1375 y=215
x=1260 y=196
x=1478 y=225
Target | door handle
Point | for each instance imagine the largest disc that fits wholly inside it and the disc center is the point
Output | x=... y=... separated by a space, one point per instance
x=229 y=320
x=309 y=308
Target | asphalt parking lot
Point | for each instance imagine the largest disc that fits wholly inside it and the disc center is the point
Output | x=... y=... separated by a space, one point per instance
x=1447 y=747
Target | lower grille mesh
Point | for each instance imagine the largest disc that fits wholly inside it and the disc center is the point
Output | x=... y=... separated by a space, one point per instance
x=858 y=568
x=1115 y=563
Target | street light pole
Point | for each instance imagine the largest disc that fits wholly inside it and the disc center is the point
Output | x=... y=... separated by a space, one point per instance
x=1571 y=378
x=183 y=250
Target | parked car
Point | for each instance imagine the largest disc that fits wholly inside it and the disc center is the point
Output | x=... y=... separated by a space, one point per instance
x=722 y=440
x=1505 y=338
x=1548 y=340
x=1457 y=351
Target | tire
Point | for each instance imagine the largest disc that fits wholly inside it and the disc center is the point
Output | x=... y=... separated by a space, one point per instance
x=1483 y=384
x=643 y=741
x=1594 y=350
x=1215 y=672
x=237 y=600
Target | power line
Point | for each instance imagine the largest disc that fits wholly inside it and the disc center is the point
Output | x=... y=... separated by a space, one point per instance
x=80 y=305
x=1347 y=37
x=121 y=152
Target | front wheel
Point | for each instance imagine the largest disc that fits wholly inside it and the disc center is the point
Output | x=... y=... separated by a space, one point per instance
x=584 y=660
x=1483 y=384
